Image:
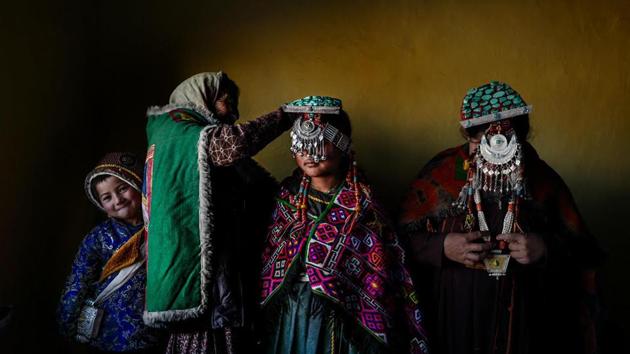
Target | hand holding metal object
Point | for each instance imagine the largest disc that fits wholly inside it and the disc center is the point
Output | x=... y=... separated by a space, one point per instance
x=524 y=248
x=466 y=248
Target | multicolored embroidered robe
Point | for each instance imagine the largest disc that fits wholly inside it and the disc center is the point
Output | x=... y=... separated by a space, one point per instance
x=362 y=272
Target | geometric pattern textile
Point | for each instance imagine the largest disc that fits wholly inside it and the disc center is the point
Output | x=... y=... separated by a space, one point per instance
x=363 y=271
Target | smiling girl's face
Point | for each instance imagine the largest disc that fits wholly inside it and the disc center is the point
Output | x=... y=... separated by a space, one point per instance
x=120 y=200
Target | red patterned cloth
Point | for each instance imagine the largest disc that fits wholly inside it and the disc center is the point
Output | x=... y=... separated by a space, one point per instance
x=362 y=271
x=434 y=191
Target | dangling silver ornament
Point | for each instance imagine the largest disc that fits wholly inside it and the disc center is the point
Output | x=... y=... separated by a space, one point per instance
x=308 y=138
x=497 y=161
x=498 y=151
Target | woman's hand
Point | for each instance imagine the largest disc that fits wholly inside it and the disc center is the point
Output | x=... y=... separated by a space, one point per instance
x=463 y=248
x=525 y=249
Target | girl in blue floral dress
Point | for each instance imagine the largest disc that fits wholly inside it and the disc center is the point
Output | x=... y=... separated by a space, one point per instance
x=103 y=299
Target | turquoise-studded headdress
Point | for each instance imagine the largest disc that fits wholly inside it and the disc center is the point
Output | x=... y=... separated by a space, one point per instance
x=496 y=166
x=309 y=132
x=491 y=102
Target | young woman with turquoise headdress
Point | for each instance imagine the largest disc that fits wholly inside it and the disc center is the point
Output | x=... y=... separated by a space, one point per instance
x=498 y=233
x=333 y=277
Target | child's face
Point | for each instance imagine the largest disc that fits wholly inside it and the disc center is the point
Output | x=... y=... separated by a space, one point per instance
x=324 y=168
x=120 y=200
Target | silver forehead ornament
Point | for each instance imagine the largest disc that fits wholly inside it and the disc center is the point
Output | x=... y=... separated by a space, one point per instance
x=307 y=137
x=497 y=163
x=498 y=151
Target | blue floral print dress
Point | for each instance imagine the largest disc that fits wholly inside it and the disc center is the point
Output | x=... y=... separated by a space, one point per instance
x=122 y=328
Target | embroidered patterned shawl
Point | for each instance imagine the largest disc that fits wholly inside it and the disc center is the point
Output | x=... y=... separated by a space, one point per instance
x=363 y=272
x=177 y=202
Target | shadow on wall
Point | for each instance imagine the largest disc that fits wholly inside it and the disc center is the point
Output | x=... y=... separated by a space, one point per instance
x=91 y=97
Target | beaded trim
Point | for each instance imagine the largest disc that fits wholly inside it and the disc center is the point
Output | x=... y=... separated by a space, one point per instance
x=111 y=165
x=514 y=112
x=311 y=109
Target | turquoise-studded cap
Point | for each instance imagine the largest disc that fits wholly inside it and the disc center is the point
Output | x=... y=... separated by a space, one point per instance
x=314 y=104
x=491 y=102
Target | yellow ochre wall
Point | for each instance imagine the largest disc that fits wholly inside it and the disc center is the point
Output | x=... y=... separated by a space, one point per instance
x=86 y=71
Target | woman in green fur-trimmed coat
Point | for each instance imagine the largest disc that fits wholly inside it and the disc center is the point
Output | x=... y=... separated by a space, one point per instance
x=199 y=183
